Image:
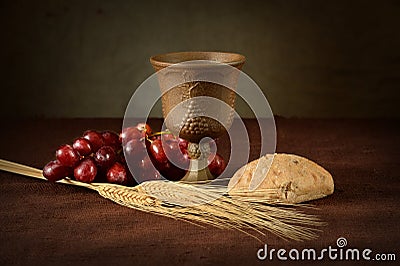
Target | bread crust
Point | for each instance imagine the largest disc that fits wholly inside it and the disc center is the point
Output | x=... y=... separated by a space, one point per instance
x=290 y=179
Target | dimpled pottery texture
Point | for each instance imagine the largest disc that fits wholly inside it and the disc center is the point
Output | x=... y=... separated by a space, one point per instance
x=194 y=125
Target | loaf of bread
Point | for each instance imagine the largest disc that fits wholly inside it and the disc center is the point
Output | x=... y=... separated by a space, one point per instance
x=287 y=178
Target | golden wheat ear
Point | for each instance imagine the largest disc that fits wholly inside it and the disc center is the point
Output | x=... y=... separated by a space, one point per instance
x=201 y=205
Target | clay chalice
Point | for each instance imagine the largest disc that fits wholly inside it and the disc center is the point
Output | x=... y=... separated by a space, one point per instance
x=198 y=100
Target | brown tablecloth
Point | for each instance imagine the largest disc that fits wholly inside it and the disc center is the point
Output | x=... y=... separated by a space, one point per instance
x=46 y=223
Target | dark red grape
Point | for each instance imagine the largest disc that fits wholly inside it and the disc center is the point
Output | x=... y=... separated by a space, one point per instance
x=121 y=158
x=171 y=172
x=216 y=165
x=183 y=161
x=171 y=146
x=147 y=171
x=155 y=175
x=153 y=137
x=111 y=139
x=168 y=136
x=86 y=170
x=175 y=155
x=143 y=127
x=131 y=180
x=95 y=139
x=67 y=156
x=157 y=152
x=213 y=147
x=130 y=133
x=173 y=167
x=135 y=149
x=145 y=164
x=54 y=171
x=117 y=174
x=82 y=146
x=105 y=157
x=183 y=145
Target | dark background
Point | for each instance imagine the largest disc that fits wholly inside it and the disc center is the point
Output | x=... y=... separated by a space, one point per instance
x=314 y=59
x=311 y=58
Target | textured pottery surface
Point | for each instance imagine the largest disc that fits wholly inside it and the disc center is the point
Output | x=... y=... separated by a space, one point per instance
x=193 y=123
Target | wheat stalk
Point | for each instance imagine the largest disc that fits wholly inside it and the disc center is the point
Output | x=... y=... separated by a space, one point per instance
x=205 y=204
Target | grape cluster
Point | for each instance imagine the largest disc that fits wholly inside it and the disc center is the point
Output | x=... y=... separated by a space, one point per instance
x=99 y=157
x=96 y=156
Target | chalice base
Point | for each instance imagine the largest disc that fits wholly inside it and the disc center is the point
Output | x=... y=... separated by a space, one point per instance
x=198 y=171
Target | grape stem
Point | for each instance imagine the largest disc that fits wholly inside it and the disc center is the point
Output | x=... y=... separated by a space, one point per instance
x=157 y=134
x=160 y=133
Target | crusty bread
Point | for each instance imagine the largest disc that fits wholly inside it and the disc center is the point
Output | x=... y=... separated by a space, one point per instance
x=291 y=178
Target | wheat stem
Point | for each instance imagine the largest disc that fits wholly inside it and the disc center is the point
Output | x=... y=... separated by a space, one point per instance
x=204 y=204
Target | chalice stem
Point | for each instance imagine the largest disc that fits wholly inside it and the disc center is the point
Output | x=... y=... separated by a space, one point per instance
x=198 y=167
x=198 y=171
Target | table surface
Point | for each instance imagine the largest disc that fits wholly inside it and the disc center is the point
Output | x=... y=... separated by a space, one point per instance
x=47 y=223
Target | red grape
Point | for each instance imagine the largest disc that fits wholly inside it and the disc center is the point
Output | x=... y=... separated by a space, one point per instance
x=135 y=149
x=121 y=158
x=173 y=167
x=171 y=146
x=147 y=171
x=155 y=175
x=175 y=155
x=82 y=146
x=131 y=180
x=130 y=133
x=97 y=156
x=95 y=139
x=184 y=161
x=143 y=127
x=183 y=145
x=105 y=157
x=117 y=174
x=168 y=136
x=216 y=165
x=54 y=171
x=67 y=156
x=145 y=164
x=86 y=170
x=157 y=152
x=171 y=172
x=111 y=139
